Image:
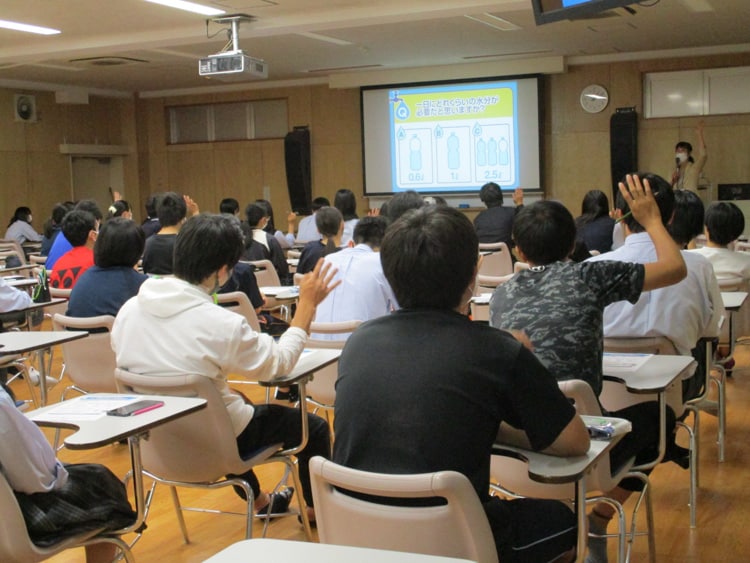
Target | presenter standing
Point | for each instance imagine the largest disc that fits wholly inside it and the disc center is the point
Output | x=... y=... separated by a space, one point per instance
x=688 y=169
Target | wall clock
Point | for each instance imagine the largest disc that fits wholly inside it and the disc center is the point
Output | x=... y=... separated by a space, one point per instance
x=594 y=98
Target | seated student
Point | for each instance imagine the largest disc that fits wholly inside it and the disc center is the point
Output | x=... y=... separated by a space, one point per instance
x=285 y=240
x=230 y=206
x=243 y=277
x=53 y=226
x=119 y=208
x=400 y=203
x=495 y=223
x=346 y=202
x=263 y=245
x=172 y=326
x=425 y=389
x=683 y=313
x=330 y=225
x=61 y=244
x=307 y=230
x=172 y=210
x=20 y=228
x=687 y=222
x=80 y=229
x=594 y=225
x=558 y=305
x=112 y=280
x=364 y=292
x=11 y=299
x=151 y=224
x=724 y=224
x=58 y=501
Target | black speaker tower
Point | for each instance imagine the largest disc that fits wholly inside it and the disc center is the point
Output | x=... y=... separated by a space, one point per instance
x=298 y=175
x=623 y=145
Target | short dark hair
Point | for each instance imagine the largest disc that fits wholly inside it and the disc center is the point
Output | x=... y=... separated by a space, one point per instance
x=429 y=257
x=319 y=202
x=59 y=211
x=370 y=230
x=77 y=225
x=151 y=205
x=266 y=205
x=205 y=243
x=401 y=203
x=346 y=202
x=688 y=217
x=328 y=221
x=229 y=205
x=688 y=147
x=724 y=222
x=170 y=209
x=118 y=208
x=120 y=243
x=254 y=213
x=545 y=232
x=595 y=204
x=91 y=206
x=491 y=194
x=663 y=193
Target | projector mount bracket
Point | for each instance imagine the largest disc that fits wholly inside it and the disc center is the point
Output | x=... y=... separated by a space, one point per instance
x=234 y=21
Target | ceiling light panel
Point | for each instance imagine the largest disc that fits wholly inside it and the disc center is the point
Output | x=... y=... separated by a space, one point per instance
x=189 y=7
x=17 y=26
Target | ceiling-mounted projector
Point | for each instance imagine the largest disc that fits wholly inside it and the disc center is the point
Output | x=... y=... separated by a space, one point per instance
x=232 y=65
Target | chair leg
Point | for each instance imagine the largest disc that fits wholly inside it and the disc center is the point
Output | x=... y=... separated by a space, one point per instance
x=124 y=548
x=694 y=460
x=292 y=466
x=621 y=525
x=178 y=510
x=644 y=495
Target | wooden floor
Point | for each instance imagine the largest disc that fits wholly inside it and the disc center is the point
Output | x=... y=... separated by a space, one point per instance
x=723 y=497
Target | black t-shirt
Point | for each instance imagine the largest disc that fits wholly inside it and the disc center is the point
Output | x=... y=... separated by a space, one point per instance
x=425 y=390
x=495 y=224
x=243 y=279
x=158 y=256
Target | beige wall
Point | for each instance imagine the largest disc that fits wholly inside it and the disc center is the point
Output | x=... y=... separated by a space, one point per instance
x=576 y=144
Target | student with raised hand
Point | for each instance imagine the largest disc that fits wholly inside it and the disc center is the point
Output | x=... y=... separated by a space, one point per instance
x=557 y=307
x=688 y=169
x=173 y=326
x=411 y=398
x=172 y=209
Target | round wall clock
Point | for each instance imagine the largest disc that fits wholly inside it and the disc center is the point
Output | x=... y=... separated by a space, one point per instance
x=594 y=98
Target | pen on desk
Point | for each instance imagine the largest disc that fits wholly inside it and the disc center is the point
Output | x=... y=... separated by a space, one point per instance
x=148 y=408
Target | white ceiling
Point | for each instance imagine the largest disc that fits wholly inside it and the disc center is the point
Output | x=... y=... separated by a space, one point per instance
x=312 y=39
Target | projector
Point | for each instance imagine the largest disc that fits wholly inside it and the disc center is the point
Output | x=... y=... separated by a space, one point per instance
x=233 y=65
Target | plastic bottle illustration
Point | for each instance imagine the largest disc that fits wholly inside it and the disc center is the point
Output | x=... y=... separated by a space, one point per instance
x=504 y=156
x=492 y=152
x=481 y=153
x=454 y=154
x=415 y=153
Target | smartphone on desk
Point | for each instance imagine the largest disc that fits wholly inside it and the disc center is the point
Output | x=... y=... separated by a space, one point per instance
x=138 y=407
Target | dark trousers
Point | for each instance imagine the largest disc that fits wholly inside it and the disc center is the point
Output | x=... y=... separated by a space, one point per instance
x=272 y=424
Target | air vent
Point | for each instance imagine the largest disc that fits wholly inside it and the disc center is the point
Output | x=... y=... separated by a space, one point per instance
x=342 y=68
x=108 y=61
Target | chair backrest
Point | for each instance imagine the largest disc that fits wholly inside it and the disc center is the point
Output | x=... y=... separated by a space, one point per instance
x=457 y=529
x=90 y=361
x=15 y=544
x=518 y=266
x=265 y=273
x=732 y=283
x=239 y=302
x=199 y=447
x=498 y=261
x=59 y=292
x=321 y=388
x=491 y=282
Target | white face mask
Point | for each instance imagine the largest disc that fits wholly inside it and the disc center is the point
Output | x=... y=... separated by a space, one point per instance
x=680 y=157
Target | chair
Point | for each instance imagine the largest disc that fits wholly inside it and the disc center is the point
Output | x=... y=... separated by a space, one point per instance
x=509 y=476
x=321 y=391
x=239 y=302
x=266 y=275
x=199 y=450
x=615 y=396
x=16 y=545
x=497 y=260
x=457 y=529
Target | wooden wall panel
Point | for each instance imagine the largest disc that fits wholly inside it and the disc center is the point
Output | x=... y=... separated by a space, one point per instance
x=238 y=173
x=191 y=172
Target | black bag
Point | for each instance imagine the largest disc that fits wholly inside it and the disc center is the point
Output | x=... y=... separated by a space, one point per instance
x=40 y=295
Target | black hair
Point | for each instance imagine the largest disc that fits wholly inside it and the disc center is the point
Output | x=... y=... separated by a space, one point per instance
x=400 y=204
x=118 y=208
x=688 y=147
x=21 y=214
x=205 y=243
x=724 y=222
x=229 y=205
x=91 y=206
x=429 y=256
x=688 y=217
x=151 y=205
x=370 y=230
x=77 y=225
x=346 y=202
x=663 y=193
x=120 y=243
x=595 y=204
x=491 y=194
x=328 y=221
x=254 y=213
x=170 y=209
x=266 y=205
x=319 y=202
x=545 y=232
x=58 y=214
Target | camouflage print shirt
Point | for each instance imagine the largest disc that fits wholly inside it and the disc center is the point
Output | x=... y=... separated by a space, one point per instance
x=560 y=307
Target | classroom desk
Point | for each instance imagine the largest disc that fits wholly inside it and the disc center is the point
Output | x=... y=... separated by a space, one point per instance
x=4 y=270
x=31 y=341
x=263 y=549
x=96 y=429
x=554 y=469
x=733 y=302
